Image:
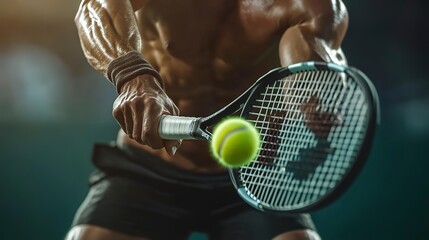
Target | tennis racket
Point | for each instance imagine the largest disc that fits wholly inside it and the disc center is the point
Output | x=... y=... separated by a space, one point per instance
x=316 y=121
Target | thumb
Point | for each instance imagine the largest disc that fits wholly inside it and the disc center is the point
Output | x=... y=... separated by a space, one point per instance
x=171 y=146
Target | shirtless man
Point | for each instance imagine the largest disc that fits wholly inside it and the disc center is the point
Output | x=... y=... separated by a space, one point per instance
x=190 y=58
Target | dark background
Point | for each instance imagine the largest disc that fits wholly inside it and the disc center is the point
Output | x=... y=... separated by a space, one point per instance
x=53 y=107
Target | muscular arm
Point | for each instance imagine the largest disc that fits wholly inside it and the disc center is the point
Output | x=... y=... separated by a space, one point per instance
x=314 y=31
x=108 y=31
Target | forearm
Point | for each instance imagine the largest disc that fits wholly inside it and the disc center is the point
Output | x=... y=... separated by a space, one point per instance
x=297 y=45
x=107 y=30
x=317 y=33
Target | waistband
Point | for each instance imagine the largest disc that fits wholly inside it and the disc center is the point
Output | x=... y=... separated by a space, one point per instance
x=127 y=159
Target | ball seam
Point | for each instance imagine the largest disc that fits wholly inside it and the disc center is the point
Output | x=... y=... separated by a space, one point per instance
x=240 y=129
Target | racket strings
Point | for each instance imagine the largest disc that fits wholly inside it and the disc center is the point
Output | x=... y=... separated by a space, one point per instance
x=311 y=125
x=268 y=129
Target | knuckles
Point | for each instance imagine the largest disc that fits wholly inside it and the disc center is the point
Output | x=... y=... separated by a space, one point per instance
x=142 y=111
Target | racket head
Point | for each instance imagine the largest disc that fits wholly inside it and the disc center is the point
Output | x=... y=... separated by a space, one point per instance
x=316 y=121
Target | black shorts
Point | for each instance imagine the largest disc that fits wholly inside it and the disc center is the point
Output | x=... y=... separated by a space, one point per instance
x=135 y=193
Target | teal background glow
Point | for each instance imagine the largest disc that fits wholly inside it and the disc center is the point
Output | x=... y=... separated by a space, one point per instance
x=53 y=107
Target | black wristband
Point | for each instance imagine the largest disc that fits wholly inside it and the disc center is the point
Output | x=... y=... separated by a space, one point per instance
x=129 y=66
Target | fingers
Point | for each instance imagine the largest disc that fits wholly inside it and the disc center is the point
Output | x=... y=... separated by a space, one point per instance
x=129 y=120
x=139 y=119
x=127 y=116
x=118 y=113
x=135 y=131
x=171 y=146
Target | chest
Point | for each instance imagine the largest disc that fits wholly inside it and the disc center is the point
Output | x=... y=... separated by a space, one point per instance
x=203 y=30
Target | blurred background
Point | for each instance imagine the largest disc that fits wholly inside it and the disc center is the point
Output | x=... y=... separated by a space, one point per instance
x=53 y=107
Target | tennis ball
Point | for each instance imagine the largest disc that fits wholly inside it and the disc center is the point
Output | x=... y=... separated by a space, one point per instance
x=235 y=142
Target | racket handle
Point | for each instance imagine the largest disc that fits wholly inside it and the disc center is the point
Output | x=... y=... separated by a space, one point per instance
x=175 y=127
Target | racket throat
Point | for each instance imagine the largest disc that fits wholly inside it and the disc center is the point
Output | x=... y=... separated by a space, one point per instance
x=201 y=134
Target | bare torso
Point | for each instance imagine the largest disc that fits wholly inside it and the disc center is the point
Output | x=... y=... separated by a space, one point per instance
x=209 y=51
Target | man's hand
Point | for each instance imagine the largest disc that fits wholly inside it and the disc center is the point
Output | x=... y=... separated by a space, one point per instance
x=138 y=109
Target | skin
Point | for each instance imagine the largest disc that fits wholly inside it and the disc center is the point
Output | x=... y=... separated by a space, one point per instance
x=207 y=53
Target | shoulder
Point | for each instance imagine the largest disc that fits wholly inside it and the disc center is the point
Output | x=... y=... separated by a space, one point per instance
x=315 y=14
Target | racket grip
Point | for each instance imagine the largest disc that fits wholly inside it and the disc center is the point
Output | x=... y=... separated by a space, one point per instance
x=175 y=127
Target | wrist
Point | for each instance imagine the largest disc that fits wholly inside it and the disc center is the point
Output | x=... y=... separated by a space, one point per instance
x=129 y=67
x=141 y=83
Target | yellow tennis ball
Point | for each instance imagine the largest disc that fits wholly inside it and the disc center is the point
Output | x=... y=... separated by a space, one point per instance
x=235 y=142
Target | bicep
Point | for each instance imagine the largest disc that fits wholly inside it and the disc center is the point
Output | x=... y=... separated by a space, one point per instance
x=316 y=38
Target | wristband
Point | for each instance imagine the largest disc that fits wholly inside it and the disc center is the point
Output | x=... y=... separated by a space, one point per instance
x=127 y=67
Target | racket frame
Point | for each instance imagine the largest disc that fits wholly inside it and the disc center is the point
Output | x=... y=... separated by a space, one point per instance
x=197 y=128
x=351 y=174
